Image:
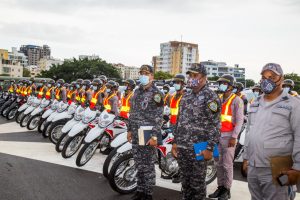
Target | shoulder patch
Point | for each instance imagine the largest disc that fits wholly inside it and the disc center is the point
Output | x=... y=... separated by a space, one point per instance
x=157 y=98
x=213 y=106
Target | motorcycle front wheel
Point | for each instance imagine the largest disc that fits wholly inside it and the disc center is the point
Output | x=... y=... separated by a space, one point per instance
x=24 y=120
x=109 y=161
x=211 y=172
x=19 y=116
x=61 y=142
x=41 y=125
x=46 y=129
x=12 y=113
x=55 y=131
x=86 y=153
x=33 y=122
x=5 y=111
x=72 y=145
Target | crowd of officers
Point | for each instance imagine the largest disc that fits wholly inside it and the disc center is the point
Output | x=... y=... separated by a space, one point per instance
x=198 y=114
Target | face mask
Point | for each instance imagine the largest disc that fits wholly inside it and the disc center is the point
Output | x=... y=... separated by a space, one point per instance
x=58 y=85
x=77 y=86
x=71 y=88
x=108 y=90
x=125 y=88
x=267 y=86
x=84 y=87
x=144 y=80
x=286 y=90
x=49 y=85
x=94 y=88
x=193 y=82
x=165 y=91
x=256 y=94
x=223 y=88
x=234 y=90
x=177 y=87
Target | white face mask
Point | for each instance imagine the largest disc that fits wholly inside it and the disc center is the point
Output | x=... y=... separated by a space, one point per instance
x=256 y=94
x=84 y=87
x=108 y=90
x=165 y=91
x=177 y=87
x=49 y=85
x=144 y=80
x=95 y=88
x=286 y=90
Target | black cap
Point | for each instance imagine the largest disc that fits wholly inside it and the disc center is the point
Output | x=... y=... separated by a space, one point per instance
x=197 y=68
x=147 y=68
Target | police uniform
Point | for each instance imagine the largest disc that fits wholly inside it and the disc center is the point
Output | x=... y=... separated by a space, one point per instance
x=198 y=121
x=146 y=110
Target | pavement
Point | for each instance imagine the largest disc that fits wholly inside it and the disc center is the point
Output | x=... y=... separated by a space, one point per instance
x=31 y=169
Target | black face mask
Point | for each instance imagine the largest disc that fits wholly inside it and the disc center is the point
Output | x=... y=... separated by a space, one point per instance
x=268 y=86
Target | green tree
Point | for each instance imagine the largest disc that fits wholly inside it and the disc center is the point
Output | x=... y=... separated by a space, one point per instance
x=215 y=78
x=249 y=83
x=160 y=75
x=296 y=78
x=82 y=68
x=4 y=75
x=26 y=72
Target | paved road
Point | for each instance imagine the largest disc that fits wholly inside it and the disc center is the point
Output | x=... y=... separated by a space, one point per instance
x=30 y=169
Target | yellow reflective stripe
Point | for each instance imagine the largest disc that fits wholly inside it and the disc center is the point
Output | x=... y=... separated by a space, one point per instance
x=226 y=118
x=229 y=103
x=174 y=111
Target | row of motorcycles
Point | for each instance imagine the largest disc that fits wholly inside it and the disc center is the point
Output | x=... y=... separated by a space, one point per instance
x=75 y=128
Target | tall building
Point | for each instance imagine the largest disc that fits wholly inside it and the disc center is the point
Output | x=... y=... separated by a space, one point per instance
x=127 y=72
x=176 y=57
x=9 y=67
x=35 y=53
x=17 y=57
x=220 y=68
x=45 y=64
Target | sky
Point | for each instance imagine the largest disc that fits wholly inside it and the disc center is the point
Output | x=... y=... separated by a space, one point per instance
x=250 y=33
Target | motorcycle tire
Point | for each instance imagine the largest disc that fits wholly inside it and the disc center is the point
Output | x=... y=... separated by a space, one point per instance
x=56 y=125
x=105 y=149
x=109 y=161
x=19 y=116
x=62 y=139
x=24 y=120
x=41 y=125
x=5 y=110
x=68 y=142
x=83 y=150
x=45 y=132
x=213 y=175
x=114 y=170
x=12 y=113
x=35 y=117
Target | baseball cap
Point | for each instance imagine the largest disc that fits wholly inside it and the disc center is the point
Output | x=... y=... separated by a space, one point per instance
x=197 y=68
x=276 y=68
x=147 y=68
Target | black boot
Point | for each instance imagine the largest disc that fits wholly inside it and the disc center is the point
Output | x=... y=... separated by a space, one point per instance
x=147 y=197
x=217 y=193
x=225 y=195
x=138 y=196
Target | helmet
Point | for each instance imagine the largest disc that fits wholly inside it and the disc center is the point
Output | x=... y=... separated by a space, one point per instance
x=52 y=82
x=239 y=86
x=97 y=82
x=227 y=79
x=43 y=81
x=112 y=84
x=25 y=81
x=179 y=77
x=86 y=82
x=79 y=81
x=103 y=78
x=289 y=82
x=61 y=81
x=32 y=80
x=256 y=87
x=131 y=83
x=66 y=85
x=166 y=86
x=12 y=81
x=73 y=83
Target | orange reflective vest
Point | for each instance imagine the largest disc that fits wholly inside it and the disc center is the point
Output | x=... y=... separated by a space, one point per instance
x=48 y=93
x=27 y=91
x=41 y=92
x=166 y=98
x=11 y=89
x=94 y=99
x=125 y=108
x=70 y=94
x=78 y=95
x=174 y=108
x=83 y=97
x=18 y=89
x=106 y=104
x=226 y=115
x=57 y=94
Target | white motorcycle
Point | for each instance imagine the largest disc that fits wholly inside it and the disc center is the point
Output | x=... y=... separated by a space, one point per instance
x=20 y=112
x=36 y=102
x=100 y=136
x=49 y=110
x=36 y=115
x=78 y=132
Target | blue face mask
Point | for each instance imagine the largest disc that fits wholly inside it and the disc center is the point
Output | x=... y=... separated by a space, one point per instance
x=49 y=85
x=234 y=90
x=286 y=90
x=58 y=84
x=144 y=80
x=267 y=86
x=256 y=94
x=193 y=82
x=223 y=88
x=71 y=88
x=77 y=86
x=83 y=87
x=177 y=87
x=95 y=88
x=108 y=90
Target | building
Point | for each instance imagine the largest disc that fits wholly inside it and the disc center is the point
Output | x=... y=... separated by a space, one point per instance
x=45 y=64
x=121 y=69
x=176 y=57
x=3 y=54
x=11 y=70
x=17 y=57
x=35 y=53
x=91 y=57
x=220 y=68
x=127 y=72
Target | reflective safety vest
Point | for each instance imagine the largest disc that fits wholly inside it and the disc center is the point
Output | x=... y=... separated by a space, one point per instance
x=166 y=98
x=78 y=95
x=11 y=89
x=174 y=108
x=41 y=92
x=57 y=94
x=106 y=104
x=22 y=90
x=48 y=93
x=70 y=94
x=124 y=111
x=27 y=91
x=18 y=89
x=94 y=99
x=226 y=115
x=294 y=94
x=83 y=97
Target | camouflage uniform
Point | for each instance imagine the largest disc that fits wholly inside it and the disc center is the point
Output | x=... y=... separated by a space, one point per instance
x=198 y=121
x=146 y=110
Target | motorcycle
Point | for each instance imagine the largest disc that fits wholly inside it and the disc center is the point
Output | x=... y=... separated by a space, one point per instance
x=21 y=110
x=78 y=132
x=13 y=109
x=36 y=114
x=43 y=122
x=36 y=102
x=5 y=107
x=100 y=136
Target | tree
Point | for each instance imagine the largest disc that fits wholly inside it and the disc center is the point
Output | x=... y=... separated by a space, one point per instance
x=4 y=75
x=82 y=68
x=249 y=83
x=296 y=78
x=160 y=75
x=215 y=78
x=26 y=72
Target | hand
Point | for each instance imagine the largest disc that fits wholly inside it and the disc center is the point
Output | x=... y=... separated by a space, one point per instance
x=293 y=175
x=129 y=136
x=232 y=142
x=174 y=150
x=245 y=166
x=207 y=154
x=152 y=142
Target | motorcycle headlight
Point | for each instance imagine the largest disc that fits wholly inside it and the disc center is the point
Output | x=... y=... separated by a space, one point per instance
x=86 y=119
x=104 y=123
x=77 y=116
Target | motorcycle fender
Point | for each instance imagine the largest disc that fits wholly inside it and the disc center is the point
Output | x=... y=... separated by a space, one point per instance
x=36 y=111
x=68 y=126
x=29 y=110
x=125 y=147
x=93 y=134
x=63 y=115
x=51 y=117
x=23 y=107
x=77 y=128
x=47 y=113
x=119 y=140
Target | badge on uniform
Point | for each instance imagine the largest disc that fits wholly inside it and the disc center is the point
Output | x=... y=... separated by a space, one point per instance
x=157 y=98
x=213 y=106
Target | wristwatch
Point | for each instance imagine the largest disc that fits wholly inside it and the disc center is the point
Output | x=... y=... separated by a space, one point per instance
x=154 y=138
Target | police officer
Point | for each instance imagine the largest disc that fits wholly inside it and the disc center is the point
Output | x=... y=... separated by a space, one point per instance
x=288 y=86
x=95 y=102
x=125 y=107
x=111 y=101
x=86 y=94
x=146 y=110
x=232 y=119
x=238 y=88
x=167 y=97
x=273 y=129
x=72 y=92
x=42 y=89
x=198 y=121
x=61 y=92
